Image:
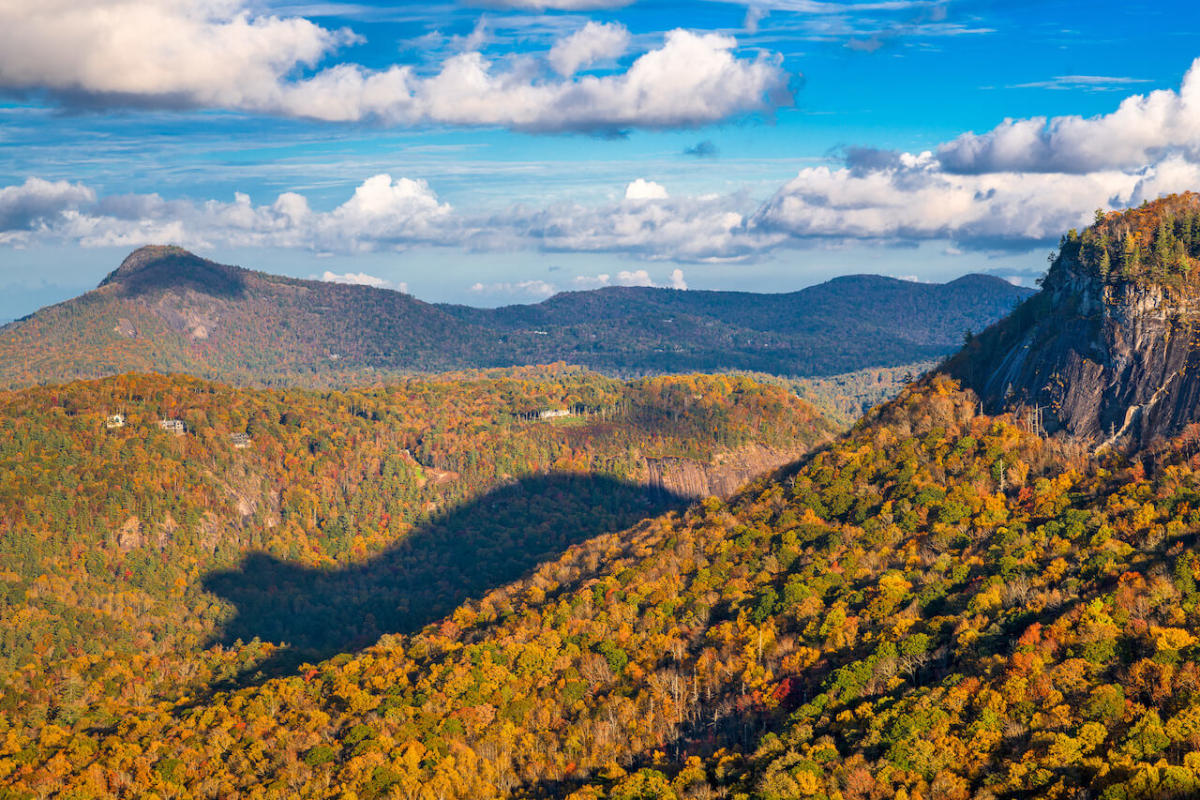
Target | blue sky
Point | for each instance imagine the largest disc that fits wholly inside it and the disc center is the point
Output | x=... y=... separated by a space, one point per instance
x=496 y=152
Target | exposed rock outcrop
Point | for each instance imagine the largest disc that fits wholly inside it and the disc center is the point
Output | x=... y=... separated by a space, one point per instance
x=1103 y=359
x=722 y=478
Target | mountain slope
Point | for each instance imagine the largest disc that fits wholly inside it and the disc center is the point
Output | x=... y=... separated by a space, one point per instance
x=845 y=324
x=382 y=508
x=167 y=310
x=940 y=605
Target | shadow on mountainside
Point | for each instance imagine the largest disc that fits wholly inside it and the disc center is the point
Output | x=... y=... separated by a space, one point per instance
x=154 y=271
x=462 y=553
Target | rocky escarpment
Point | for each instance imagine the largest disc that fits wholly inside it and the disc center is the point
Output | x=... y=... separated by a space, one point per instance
x=1104 y=361
x=727 y=473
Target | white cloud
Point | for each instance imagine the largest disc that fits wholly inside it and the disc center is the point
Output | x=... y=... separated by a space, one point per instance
x=164 y=52
x=36 y=201
x=1142 y=130
x=706 y=228
x=638 y=277
x=361 y=279
x=383 y=210
x=915 y=200
x=382 y=213
x=909 y=198
x=692 y=79
x=221 y=54
x=593 y=42
x=641 y=189
x=518 y=288
x=592 y=281
x=634 y=278
x=883 y=196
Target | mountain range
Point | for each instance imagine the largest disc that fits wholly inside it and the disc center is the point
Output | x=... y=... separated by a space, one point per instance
x=165 y=309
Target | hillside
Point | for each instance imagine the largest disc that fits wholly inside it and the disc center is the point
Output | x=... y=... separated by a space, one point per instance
x=939 y=605
x=1106 y=353
x=167 y=310
x=374 y=511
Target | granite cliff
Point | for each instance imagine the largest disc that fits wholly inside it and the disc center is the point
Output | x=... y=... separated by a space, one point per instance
x=1107 y=351
x=723 y=476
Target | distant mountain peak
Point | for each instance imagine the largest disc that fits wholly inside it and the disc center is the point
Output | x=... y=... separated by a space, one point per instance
x=167 y=266
x=144 y=258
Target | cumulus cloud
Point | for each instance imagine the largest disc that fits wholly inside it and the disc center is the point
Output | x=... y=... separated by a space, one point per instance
x=710 y=228
x=638 y=277
x=361 y=279
x=382 y=213
x=519 y=288
x=642 y=189
x=39 y=202
x=692 y=79
x=915 y=199
x=1023 y=183
x=593 y=42
x=166 y=52
x=592 y=281
x=883 y=196
x=907 y=199
x=221 y=54
x=1142 y=130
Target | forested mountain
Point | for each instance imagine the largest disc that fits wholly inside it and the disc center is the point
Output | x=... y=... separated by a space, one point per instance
x=939 y=605
x=319 y=519
x=167 y=310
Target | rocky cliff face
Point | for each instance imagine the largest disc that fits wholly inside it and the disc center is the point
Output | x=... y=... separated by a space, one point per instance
x=1104 y=362
x=724 y=476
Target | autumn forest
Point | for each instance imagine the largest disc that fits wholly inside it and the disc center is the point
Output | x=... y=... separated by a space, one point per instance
x=548 y=582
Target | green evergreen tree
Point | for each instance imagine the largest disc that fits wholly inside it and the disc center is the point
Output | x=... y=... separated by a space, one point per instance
x=1131 y=257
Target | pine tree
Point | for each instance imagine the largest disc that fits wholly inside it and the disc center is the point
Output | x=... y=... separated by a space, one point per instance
x=1164 y=246
x=1131 y=257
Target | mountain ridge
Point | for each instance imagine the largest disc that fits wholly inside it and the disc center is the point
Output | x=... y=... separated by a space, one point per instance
x=165 y=309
